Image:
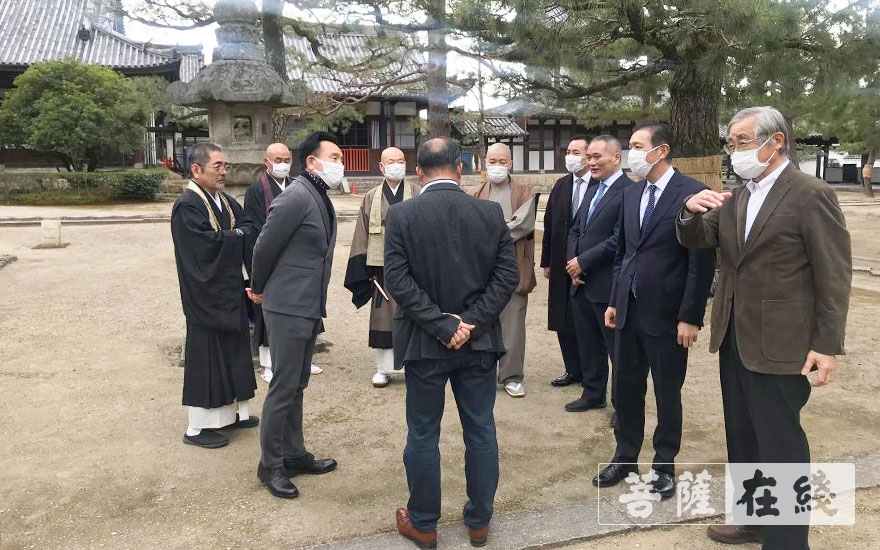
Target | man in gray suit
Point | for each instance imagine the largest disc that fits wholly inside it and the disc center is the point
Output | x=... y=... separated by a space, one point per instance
x=291 y=270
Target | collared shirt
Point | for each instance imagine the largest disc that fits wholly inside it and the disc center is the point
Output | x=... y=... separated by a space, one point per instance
x=607 y=182
x=758 y=191
x=582 y=191
x=442 y=180
x=661 y=184
x=393 y=187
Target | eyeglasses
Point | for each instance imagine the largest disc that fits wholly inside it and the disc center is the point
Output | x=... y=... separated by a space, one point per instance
x=218 y=166
x=731 y=148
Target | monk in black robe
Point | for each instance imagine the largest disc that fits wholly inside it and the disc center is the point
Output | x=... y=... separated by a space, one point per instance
x=210 y=233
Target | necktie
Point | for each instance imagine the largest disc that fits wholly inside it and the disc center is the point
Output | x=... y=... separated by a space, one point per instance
x=650 y=208
x=599 y=194
x=648 y=211
x=576 y=198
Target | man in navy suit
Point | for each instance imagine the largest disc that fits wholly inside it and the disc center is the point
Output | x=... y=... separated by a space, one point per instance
x=657 y=303
x=592 y=244
x=451 y=268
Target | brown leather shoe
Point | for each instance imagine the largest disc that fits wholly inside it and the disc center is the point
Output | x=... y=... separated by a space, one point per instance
x=406 y=529
x=734 y=534
x=478 y=536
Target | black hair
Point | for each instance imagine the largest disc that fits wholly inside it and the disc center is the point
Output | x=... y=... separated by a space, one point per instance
x=312 y=143
x=438 y=153
x=660 y=135
x=580 y=137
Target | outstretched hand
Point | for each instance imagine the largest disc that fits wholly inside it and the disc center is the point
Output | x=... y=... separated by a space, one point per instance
x=706 y=200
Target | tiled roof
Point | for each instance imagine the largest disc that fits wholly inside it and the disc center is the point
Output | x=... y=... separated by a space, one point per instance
x=351 y=48
x=495 y=127
x=523 y=106
x=41 y=30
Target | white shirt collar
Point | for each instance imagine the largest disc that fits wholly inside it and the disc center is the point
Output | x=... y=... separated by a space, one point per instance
x=282 y=184
x=663 y=181
x=442 y=180
x=767 y=182
x=612 y=178
x=393 y=187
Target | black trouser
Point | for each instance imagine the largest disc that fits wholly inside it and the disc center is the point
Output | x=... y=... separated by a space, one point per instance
x=570 y=357
x=473 y=384
x=291 y=344
x=763 y=425
x=637 y=353
x=595 y=345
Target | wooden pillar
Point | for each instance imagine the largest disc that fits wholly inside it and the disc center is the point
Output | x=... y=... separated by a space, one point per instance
x=383 y=125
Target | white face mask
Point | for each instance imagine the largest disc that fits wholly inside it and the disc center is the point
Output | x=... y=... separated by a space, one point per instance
x=281 y=169
x=332 y=173
x=395 y=172
x=638 y=162
x=746 y=163
x=497 y=174
x=574 y=163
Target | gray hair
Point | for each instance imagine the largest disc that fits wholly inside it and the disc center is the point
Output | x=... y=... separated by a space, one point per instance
x=503 y=147
x=768 y=121
x=201 y=153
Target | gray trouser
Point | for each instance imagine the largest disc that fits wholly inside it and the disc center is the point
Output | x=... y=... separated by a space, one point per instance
x=291 y=344
x=513 y=334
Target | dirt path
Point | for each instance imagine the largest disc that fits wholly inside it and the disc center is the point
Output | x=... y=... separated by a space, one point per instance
x=92 y=453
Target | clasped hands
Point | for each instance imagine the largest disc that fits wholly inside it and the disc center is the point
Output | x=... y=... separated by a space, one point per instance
x=255 y=298
x=462 y=333
x=573 y=268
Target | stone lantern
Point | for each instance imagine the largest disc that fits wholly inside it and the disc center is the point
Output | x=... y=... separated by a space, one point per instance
x=240 y=90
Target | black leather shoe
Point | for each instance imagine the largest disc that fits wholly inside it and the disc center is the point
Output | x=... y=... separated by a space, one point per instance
x=308 y=464
x=664 y=484
x=614 y=474
x=582 y=405
x=249 y=422
x=566 y=379
x=208 y=439
x=276 y=480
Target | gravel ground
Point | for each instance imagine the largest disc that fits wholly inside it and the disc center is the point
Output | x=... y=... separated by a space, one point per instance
x=92 y=429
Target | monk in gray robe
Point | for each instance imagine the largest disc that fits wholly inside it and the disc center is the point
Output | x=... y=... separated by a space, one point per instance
x=365 y=276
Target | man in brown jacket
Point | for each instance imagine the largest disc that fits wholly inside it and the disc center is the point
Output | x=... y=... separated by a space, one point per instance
x=519 y=204
x=780 y=308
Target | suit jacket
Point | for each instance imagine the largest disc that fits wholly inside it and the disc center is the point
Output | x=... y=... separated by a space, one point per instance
x=434 y=267
x=674 y=280
x=520 y=193
x=294 y=253
x=788 y=284
x=594 y=242
x=554 y=254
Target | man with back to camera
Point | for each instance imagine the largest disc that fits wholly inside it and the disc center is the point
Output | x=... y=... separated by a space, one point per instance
x=291 y=270
x=657 y=303
x=257 y=199
x=450 y=289
x=365 y=274
x=781 y=304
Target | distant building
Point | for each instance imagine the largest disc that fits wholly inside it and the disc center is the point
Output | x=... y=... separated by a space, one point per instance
x=43 y=30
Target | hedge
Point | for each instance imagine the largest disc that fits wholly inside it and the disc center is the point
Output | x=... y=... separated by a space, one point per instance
x=79 y=187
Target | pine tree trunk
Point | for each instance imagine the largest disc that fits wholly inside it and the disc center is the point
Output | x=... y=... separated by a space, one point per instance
x=792 y=153
x=694 y=111
x=439 y=124
x=273 y=38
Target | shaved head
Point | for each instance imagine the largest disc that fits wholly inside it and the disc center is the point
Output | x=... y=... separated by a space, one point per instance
x=392 y=154
x=499 y=149
x=277 y=154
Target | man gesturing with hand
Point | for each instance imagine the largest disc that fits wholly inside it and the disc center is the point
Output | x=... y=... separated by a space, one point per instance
x=450 y=266
x=780 y=307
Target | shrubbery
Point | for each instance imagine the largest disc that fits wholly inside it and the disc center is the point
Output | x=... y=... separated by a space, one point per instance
x=80 y=187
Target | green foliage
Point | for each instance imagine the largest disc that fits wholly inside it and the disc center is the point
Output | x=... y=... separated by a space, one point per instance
x=140 y=184
x=74 y=109
x=154 y=91
x=76 y=188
